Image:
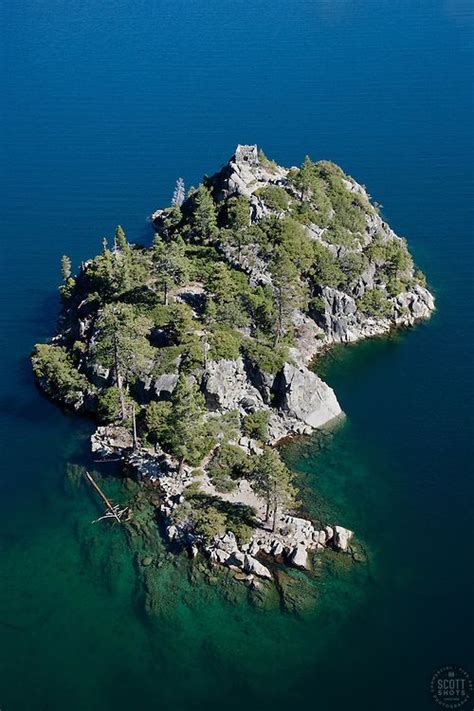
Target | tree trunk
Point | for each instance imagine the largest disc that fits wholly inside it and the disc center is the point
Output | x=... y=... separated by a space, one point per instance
x=122 y=397
x=166 y=294
x=181 y=466
x=118 y=379
x=134 y=428
x=274 y=518
x=267 y=512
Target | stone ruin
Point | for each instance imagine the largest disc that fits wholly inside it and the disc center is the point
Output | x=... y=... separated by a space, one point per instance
x=246 y=154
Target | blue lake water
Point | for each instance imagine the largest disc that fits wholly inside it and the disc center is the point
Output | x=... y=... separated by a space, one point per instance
x=104 y=105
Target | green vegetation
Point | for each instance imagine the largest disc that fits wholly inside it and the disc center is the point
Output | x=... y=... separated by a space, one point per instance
x=217 y=284
x=171 y=264
x=273 y=481
x=267 y=358
x=183 y=433
x=255 y=424
x=54 y=366
x=212 y=517
x=157 y=418
x=275 y=197
x=374 y=303
x=204 y=215
x=224 y=344
x=109 y=404
x=228 y=464
x=121 y=344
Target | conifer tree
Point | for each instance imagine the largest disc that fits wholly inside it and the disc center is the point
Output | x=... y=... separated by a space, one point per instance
x=273 y=481
x=120 y=241
x=185 y=420
x=121 y=344
x=288 y=293
x=204 y=215
x=65 y=267
x=171 y=264
x=179 y=193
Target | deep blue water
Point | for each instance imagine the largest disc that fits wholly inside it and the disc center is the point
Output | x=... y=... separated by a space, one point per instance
x=104 y=105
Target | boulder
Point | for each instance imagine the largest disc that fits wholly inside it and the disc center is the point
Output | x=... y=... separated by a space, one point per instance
x=111 y=440
x=299 y=557
x=164 y=385
x=302 y=395
x=252 y=565
x=342 y=536
x=226 y=387
x=339 y=319
x=413 y=305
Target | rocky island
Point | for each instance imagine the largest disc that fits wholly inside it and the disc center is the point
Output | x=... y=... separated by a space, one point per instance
x=194 y=354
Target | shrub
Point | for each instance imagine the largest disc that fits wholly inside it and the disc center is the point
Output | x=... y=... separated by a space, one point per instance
x=395 y=286
x=420 y=278
x=275 y=197
x=325 y=271
x=209 y=522
x=109 y=406
x=255 y=424
x=392 y=254
x=224 y=344
x=229 y=463
x=54 y=367
x=270 y=165
x=156 y=420
x=375 y=303
x=352 y=264
x=268 y=358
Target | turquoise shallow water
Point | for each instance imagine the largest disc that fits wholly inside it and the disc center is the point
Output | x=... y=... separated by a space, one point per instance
x=104 y=105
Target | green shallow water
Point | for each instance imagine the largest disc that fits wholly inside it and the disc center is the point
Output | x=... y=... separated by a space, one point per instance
x=73 y=612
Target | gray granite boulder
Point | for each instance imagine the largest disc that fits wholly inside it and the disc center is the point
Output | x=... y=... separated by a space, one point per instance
x=304 y=396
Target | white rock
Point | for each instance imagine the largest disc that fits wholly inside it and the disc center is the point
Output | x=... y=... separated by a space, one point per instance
x=299 y=557
x=342 y=536
x=304 y=396
x=252 y=565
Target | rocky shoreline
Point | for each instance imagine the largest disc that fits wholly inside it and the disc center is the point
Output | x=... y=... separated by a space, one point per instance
x=195 y=354
x=292 y=541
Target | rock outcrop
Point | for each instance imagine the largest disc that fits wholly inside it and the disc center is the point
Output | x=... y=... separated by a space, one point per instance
x=303 y=396
x=226 y=387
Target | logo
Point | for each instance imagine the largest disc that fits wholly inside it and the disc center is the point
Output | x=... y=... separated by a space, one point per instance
x=451 y=687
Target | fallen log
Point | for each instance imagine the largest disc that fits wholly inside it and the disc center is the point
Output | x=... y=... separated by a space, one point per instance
x=111 y=510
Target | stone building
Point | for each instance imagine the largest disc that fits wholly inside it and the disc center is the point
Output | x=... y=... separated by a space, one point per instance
x=246 y=154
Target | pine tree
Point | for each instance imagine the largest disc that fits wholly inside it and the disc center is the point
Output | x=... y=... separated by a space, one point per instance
x=204 y=215
x=121 y=343
x=120 y=241
x=273 y=481
x=65 y=267
x=179 y=193
x=225 y=306
x=185 y=420
x=171 y=264
x=238 y=221
x=287 y=293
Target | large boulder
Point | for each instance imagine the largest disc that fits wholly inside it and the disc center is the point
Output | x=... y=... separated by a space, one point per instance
x=252 y=565
x=226 y=387
x=302 y=395
x=413 y=305
x=341 y=539
x=111 y=440
x=299 y=557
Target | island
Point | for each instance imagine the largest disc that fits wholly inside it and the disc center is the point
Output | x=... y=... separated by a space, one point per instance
x=194 y=355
